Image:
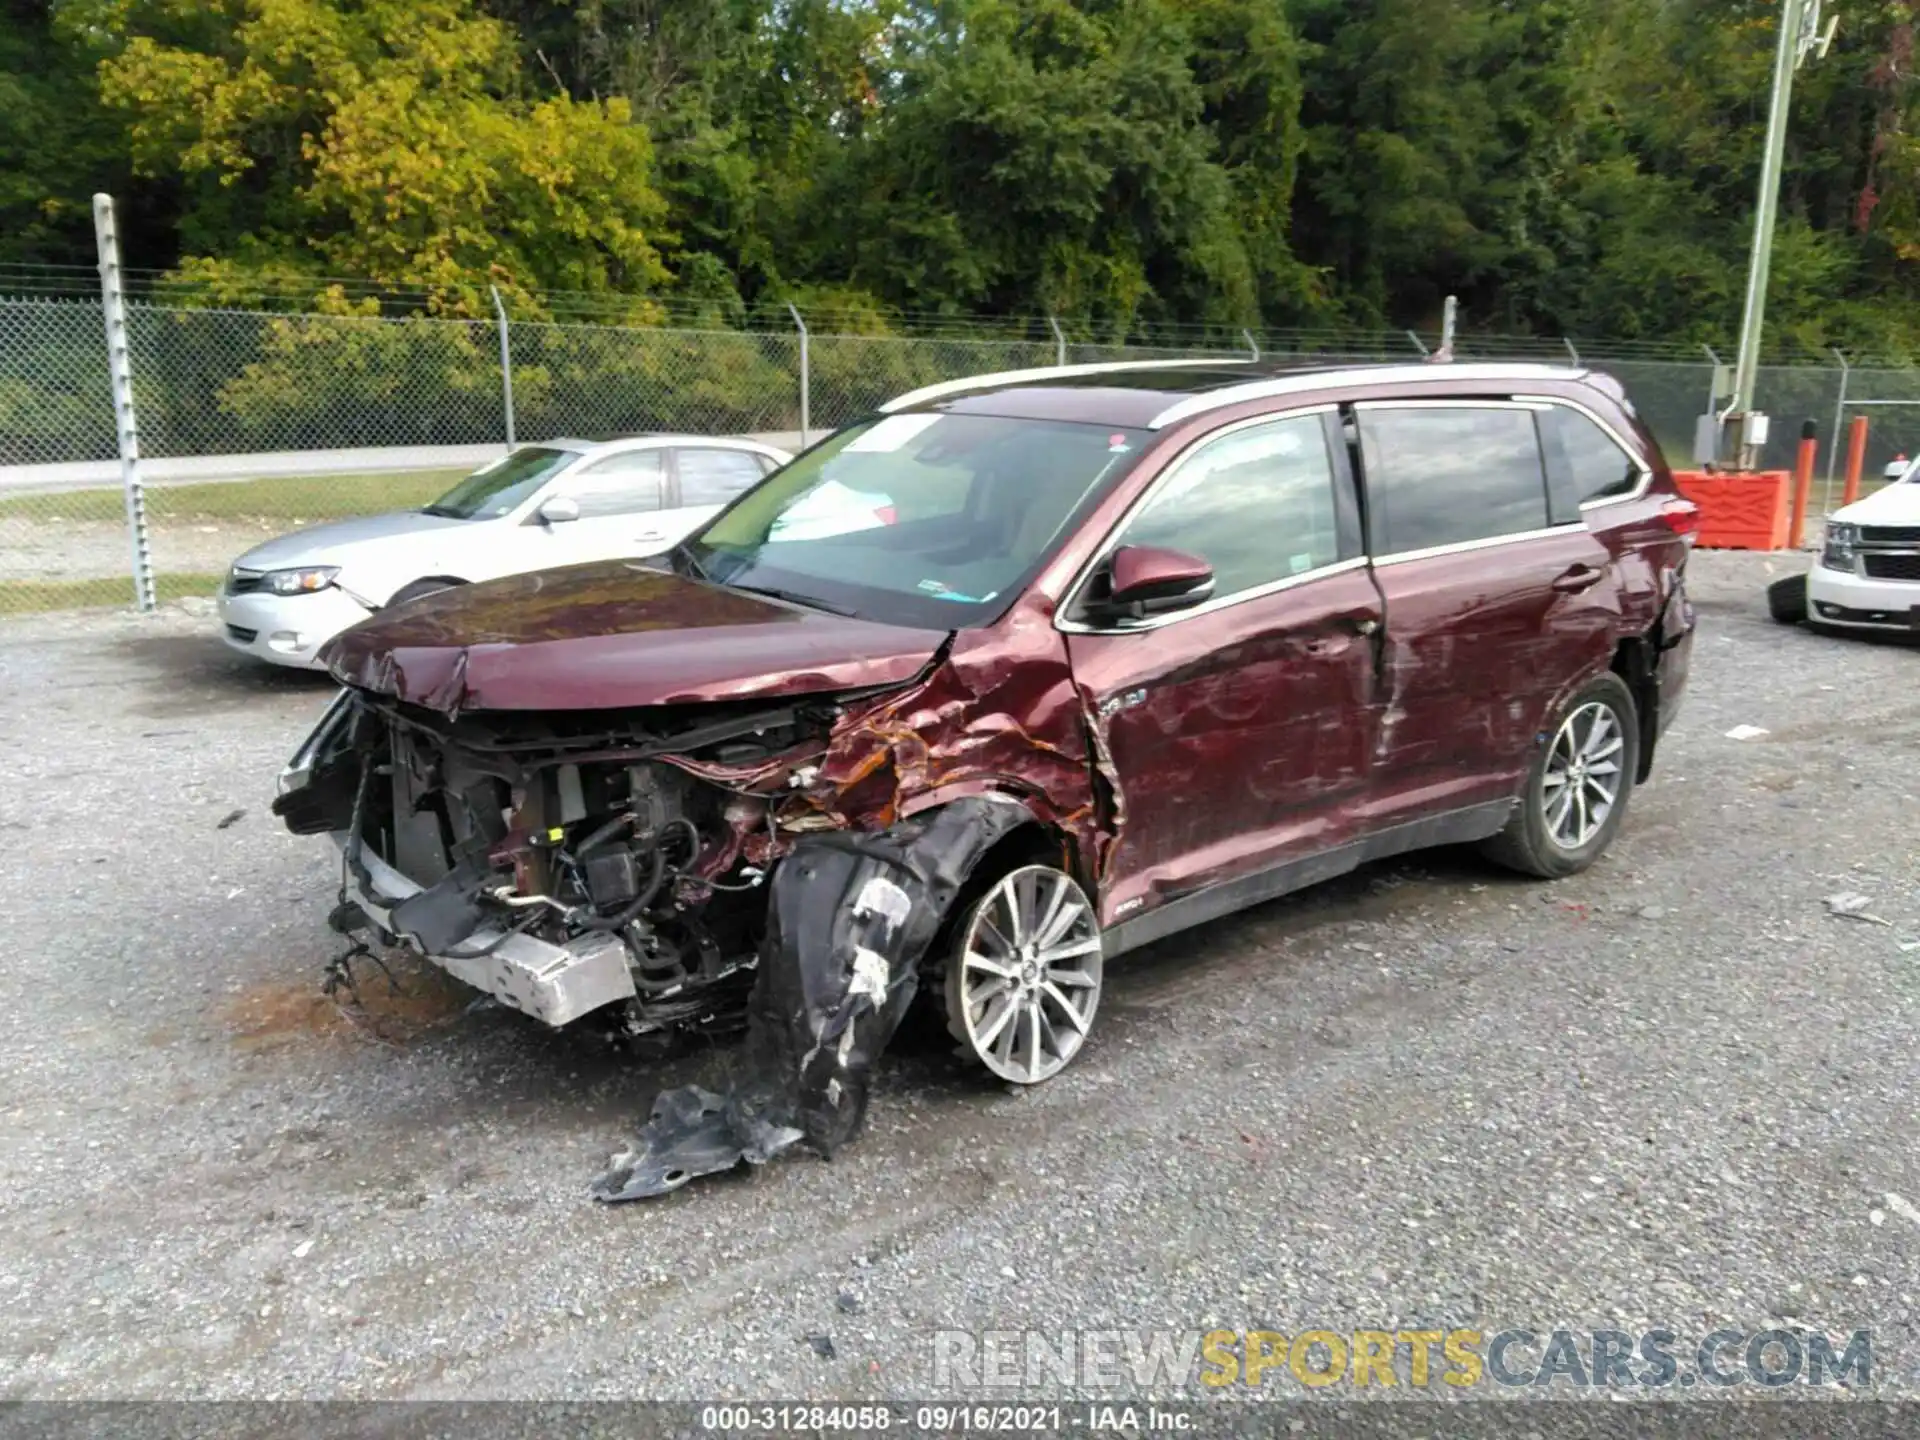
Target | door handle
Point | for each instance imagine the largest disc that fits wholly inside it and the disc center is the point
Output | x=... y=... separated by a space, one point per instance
x=1578 y=578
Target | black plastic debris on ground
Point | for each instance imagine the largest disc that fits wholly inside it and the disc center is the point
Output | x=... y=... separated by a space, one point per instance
x=848 y=921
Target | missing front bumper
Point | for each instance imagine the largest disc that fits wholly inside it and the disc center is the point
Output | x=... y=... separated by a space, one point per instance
x=556 y=984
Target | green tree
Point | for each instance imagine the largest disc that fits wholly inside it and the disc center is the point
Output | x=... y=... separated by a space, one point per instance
x=390 y=139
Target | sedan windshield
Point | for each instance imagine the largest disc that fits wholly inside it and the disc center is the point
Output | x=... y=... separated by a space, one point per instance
x=923 y=519
x=501 y=487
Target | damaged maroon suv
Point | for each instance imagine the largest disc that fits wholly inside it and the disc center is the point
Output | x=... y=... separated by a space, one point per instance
x=1019 y=674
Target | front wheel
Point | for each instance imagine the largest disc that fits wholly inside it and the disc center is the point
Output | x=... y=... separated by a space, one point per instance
x=419 y=590
x=1787 y=599
x=1577 y=788
x=1023 y=976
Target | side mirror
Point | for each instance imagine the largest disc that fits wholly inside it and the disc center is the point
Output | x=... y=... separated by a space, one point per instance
x=1145 y=580
x=559 y=509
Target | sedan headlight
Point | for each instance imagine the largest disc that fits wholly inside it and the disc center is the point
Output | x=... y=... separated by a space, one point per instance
x=299 y=582
x=1838 y=553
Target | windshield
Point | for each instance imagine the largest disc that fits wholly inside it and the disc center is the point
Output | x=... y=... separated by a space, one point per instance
x=502 y=487
x=927 y=520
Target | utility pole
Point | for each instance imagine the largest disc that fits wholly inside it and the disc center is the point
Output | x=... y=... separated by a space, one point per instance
x=1800 y=35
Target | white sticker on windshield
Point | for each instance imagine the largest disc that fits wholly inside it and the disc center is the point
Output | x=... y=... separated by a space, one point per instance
x=890 y=434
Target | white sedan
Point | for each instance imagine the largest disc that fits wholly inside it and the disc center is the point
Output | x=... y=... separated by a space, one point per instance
x=1867 y=576
x=559 y=503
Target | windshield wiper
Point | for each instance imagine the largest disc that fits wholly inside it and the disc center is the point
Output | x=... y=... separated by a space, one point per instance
x=810 y=602
x=442 y=511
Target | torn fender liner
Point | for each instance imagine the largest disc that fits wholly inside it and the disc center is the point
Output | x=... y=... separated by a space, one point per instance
x=691 y=1132
x=850 y=917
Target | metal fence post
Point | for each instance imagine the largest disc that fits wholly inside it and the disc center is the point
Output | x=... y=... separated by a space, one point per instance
x=806 y=378
x=1059 y=341
x=1449 y=325
x=506 y=360
x=1567 y=340
x=113 y=306
x=1839 y=419
x=1253 y=346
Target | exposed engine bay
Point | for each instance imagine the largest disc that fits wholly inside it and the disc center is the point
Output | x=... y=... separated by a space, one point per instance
x=570 y=830
x=650 y=872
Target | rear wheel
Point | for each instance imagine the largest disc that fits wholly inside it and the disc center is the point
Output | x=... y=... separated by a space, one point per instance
x=1787 y=599
x=1577 y=789
x=1023 y=975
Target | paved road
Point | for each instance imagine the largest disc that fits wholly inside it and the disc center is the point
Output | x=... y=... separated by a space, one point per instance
x=272 y=464
x=1672 y=1091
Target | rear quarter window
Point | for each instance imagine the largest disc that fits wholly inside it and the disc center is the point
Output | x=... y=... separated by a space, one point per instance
x=1449 y=475
x=1600 y=467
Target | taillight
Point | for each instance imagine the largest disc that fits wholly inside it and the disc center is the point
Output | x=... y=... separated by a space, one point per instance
x=1682 y=517
x=888 y=515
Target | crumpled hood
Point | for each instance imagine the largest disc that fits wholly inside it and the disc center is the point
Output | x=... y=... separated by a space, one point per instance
x=615 y=635
x=324 y=544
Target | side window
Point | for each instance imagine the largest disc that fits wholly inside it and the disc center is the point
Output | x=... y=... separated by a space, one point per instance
x=1256 y=505
x=1601 y=469
x=713 y=477
x=623 y=484
x=1446 y=475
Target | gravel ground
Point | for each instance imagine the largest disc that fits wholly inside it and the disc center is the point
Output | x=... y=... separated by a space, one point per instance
x=1673 y=1091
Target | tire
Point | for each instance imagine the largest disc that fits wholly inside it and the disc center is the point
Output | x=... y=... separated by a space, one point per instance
x=419 y=590
x=1787 y=600
x=1037 y=1030
x=1543 y=838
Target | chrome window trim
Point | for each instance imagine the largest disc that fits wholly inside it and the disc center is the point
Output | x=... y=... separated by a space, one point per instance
x=1041 y=373
x=1632 y=451
x=1461 y=547
x=1464 y=402
x=1310 y=381
x=1110 y=543
x=1259 y=592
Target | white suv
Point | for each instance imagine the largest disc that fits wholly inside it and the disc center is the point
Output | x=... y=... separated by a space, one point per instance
x=1867 y=577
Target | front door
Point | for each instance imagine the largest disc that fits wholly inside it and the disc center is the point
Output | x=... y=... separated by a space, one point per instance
x=1498 y=597
x=621 y=515
x=1233 y=735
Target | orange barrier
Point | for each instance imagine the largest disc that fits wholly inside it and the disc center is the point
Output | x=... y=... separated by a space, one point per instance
x=1739 y=512
x=1856 y=459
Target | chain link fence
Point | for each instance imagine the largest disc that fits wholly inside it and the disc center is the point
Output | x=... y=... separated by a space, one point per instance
x=253 y=423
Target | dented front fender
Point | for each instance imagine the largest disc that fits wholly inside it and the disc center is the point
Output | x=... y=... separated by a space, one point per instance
x=850 y=917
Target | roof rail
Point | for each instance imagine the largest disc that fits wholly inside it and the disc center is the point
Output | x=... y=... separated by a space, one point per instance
x=1049 y=372
x=1311 y=380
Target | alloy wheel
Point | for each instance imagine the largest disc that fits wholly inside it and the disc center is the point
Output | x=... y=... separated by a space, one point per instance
x=1582 y=781
x=1027 y=975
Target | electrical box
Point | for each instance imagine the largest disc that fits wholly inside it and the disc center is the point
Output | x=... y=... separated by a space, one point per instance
x=1753 y=432
x=1706 y=440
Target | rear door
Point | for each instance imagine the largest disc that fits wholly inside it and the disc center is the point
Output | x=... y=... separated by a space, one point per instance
x=704 y=481
x=1497 y=599
x=1234 y=735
